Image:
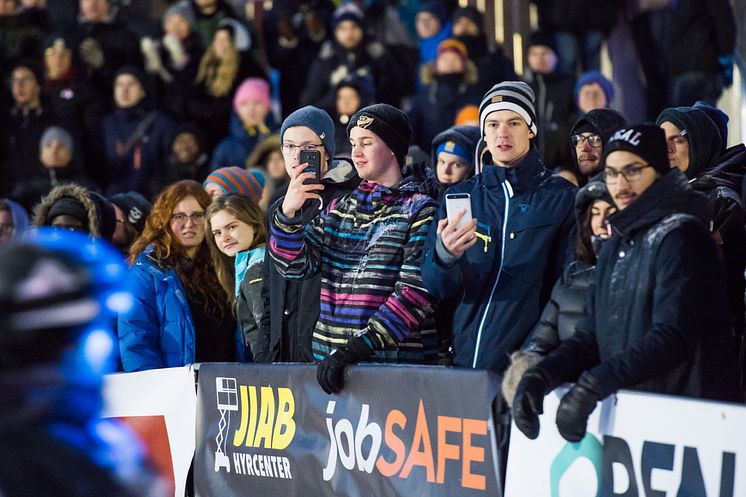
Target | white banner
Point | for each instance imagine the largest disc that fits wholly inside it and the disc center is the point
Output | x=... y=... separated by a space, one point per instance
x=161 y=406
x=637 y=445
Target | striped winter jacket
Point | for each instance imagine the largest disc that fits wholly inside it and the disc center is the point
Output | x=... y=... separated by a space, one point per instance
x=368 y=247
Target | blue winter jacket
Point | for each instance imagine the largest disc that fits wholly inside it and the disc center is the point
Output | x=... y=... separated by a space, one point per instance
x=524 y=219
x=158 y=331
x=235 y=148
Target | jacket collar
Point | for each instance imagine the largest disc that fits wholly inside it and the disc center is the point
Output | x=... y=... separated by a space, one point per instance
x=525 y=175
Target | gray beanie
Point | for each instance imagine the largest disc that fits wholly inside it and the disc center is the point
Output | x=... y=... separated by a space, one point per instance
x=315 y=119
x=57 y=133
x=182 y=9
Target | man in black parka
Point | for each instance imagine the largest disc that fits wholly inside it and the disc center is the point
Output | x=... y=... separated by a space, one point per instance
x=657 y=319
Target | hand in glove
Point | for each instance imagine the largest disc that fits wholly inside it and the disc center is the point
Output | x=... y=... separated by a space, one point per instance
x=575 y=407
x=726 y=63
x=91 y=53
x=175 y=50
x=149 y=50
x=330 y=371
x=528 y=402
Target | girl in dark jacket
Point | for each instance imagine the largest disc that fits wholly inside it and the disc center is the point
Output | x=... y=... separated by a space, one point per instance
x=237 y=236
x=593 y=206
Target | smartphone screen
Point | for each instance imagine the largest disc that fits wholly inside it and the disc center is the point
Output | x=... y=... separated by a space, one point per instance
x=456 y=202
x=313 y=158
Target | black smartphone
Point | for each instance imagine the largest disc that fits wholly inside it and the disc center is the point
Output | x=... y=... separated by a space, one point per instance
x=313 y=158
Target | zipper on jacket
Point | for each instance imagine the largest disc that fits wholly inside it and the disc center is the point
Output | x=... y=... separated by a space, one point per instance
x=507 y=191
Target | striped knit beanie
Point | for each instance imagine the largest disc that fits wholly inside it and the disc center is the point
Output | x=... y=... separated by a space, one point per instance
x=509 y=95
x=238 y=180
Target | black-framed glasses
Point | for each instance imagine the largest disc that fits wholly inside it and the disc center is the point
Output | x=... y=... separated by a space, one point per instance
x=593 y=140
x=181 y=217
x=291 y=148
x=631 y=173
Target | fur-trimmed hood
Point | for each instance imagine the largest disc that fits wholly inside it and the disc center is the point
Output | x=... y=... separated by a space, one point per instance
x=428 y=74
x=99 y=211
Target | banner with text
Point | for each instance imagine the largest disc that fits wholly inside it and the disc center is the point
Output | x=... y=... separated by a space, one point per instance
x=160 y=406
x=637 y=445
x=394 y=431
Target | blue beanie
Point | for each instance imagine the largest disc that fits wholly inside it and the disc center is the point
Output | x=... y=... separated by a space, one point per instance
x=436 y=8
x=315 y=119
x=591 y=77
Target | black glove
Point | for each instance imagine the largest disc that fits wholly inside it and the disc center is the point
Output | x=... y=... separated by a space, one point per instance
x=575 y=407
x=330 y=371
x=528 y=402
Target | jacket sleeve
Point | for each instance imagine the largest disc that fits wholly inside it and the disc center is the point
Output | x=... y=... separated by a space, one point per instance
x=689 y=288
x=252 y=303
x=410 y=303
x=295 y=248
x=139 y=328
x=440 y=279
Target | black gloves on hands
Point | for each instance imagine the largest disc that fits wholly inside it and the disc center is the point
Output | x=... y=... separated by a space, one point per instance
x=529 y=401
x=330 y=371
x=575 y=407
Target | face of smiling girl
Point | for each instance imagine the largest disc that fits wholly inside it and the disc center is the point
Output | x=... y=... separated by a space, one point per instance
x=231 y=235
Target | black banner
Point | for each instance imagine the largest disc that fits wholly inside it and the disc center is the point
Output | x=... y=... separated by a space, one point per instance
x=270 y=430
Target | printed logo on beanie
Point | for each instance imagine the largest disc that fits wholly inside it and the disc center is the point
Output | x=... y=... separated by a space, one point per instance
x=322 y=136
x=134 y=215
x=628 y=135
x=450 y=146
x=364 y=121
x=498 y=98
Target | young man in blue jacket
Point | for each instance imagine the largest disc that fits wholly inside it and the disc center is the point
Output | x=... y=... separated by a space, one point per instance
x=503 y=263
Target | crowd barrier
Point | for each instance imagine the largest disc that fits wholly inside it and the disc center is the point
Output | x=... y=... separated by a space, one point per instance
x=409 y=430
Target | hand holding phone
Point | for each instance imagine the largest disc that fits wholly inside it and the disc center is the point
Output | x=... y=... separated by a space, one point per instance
x=455 y=203
x=457 y=237
x=313 y=159
x=302 y=187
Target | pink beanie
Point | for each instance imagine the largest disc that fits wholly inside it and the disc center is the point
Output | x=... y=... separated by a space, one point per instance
x=252 y=88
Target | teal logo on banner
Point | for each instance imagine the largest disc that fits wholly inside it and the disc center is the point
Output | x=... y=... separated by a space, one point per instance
x=589 y=448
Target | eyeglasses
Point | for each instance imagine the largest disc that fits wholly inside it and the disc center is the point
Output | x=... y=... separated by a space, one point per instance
x=593 y=140
x=181 y=218
x=631 y=173
x=291 y=148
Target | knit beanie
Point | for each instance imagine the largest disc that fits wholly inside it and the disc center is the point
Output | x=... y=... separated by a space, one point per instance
x=509 y=95
x=56 y=133
x=468 y=114
x=436 y=8
x=253 y=89
x=348 y=12
x=540 y=37
x=135 y=72
x=457 y=140
x=646 y=140
x=107 y=218
x=720 y=119
x=471 y=13
x=591 y=77
x=181 y=9
x=700 y=131
x=315 y=119
x=455 y=46
x=136 y=208
x=238 y=180
x=389 y=123
x=602 y=122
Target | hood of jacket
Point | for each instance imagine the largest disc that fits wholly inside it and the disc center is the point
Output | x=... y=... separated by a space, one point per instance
x=729 y=171
x=603 y=121
x=671 y=193
x=100 y=222
x=702 y=134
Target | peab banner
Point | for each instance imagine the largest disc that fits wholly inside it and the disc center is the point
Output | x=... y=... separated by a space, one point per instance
x=637 y=445
x=394 y=431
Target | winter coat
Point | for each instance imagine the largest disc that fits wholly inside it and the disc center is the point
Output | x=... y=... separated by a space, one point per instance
x=554 y=109
x=141 y=167
x=657 y=317
x=293 y=60
x=19 y=144
x=524 y=220
x=492 y=65
x=158 y=331
x=701 y=31
x=249 y=302
x=98 y=224
x=564 y=309
x=367 y=247
x=435 y=107
x=30 y=192
x=720 y=184
x=334 y=63
x=577 y=16
x=235 y=148
x=291 y=306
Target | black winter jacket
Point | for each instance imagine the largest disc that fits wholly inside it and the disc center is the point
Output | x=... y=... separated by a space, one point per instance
x=656 y=319
x=291 y=307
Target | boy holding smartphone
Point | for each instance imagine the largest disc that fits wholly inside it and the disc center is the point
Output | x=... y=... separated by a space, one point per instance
x=367 y=246
x=501 y=264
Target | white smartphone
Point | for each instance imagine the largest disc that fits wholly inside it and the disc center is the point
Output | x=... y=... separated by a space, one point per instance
x=456 y=202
